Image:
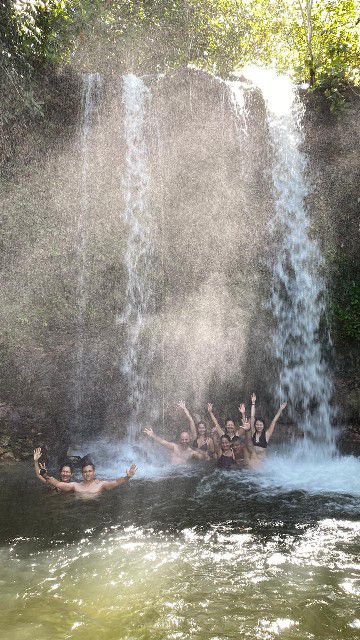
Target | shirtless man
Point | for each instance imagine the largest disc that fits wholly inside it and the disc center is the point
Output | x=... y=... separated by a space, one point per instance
x=90 y=485
x=181 y=452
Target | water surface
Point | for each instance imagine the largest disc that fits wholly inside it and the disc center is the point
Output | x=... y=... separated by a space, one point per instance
x=202 y=554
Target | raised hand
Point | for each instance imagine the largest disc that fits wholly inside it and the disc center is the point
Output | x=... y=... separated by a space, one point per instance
x=246 y=425
x=242 y=409
x=37 y=454
x=210 y=407
x=283 y=406
x=182 y=405
x=149 y=432
x=131 y=471
x=253 y=398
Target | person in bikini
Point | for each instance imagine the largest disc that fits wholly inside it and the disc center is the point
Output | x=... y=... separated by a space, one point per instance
x=90 y=486
x=257 y=436
x=181 y=452
x=198 y=433
x=225 y=455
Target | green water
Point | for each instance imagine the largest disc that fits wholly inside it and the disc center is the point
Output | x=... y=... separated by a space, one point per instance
x=204 y=556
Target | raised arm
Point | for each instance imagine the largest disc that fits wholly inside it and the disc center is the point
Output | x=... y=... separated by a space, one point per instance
x=214 y=420
x=112 y=484
x=242 y=410
x=252 y=412
x=37 y=456
x=248 y=439
x=271 y=429
x=64 y=486
x=192 y=426
x=164 y=443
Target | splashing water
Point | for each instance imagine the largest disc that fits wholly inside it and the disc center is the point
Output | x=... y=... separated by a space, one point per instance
x=91 y=92
x=138 y=257
x=297 y=301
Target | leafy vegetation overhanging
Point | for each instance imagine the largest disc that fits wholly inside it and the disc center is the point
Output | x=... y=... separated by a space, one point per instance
x=317 y=41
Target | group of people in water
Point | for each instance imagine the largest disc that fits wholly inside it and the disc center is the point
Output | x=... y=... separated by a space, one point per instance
x=231 y=446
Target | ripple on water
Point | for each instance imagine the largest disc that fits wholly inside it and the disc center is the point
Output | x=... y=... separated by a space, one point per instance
x=136 y=583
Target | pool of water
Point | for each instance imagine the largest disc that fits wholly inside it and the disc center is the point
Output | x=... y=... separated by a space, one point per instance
x=181 y=554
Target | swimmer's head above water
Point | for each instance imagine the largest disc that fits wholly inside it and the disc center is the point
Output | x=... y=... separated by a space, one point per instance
x=184 y=439
x=201 y=429
x=65 y=473
x=230 y=427
x=225 y=444
x=88 y=472
x=259 y=425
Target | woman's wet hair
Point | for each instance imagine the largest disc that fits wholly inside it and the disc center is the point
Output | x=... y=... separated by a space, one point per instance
x=260 y=419
x=225 y=437
x=66 y=464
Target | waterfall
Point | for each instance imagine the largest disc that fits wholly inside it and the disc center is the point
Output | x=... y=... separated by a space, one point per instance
x=91 y=92
x=138 y=258
x=298 y=294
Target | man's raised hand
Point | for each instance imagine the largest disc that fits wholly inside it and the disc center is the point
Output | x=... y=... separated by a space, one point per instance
x=131 y=471
x=253 y=398
x=210 y=407
x=37 y=454
x=182 y=405
x=149 y=432
x=283 y=406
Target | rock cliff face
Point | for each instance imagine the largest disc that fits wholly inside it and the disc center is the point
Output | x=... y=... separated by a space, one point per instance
x=22 y=430
x=332 y=145
x=211 y=202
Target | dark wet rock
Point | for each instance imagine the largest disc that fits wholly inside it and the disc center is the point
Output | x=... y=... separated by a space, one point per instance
x=349 y=441
x=23 y=429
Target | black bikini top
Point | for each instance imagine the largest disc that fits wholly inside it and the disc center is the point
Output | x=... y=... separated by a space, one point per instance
x=262 y=442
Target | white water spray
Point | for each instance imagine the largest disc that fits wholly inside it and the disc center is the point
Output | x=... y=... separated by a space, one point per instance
x=91 y=91
x=138 y=257
x=298 y=289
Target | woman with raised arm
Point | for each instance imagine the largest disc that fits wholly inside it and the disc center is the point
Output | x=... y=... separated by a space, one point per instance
x=65 y=471
x=230 y=429
x=257 y=436
x=198 y=433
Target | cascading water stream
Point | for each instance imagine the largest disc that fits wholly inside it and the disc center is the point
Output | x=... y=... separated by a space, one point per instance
x=138 y=257
x=91 y=90
x=298 y=300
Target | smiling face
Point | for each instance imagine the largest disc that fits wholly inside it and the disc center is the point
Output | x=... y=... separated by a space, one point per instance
x=225 y=444
x=259 y=426
x=65 y=473
x=184 y=440
x=88 y=473
x=201 y=429
x=230 y=428
x=236 y=447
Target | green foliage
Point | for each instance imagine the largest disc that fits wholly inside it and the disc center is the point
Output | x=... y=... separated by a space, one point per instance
x=346 y=309
x=315 y=40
